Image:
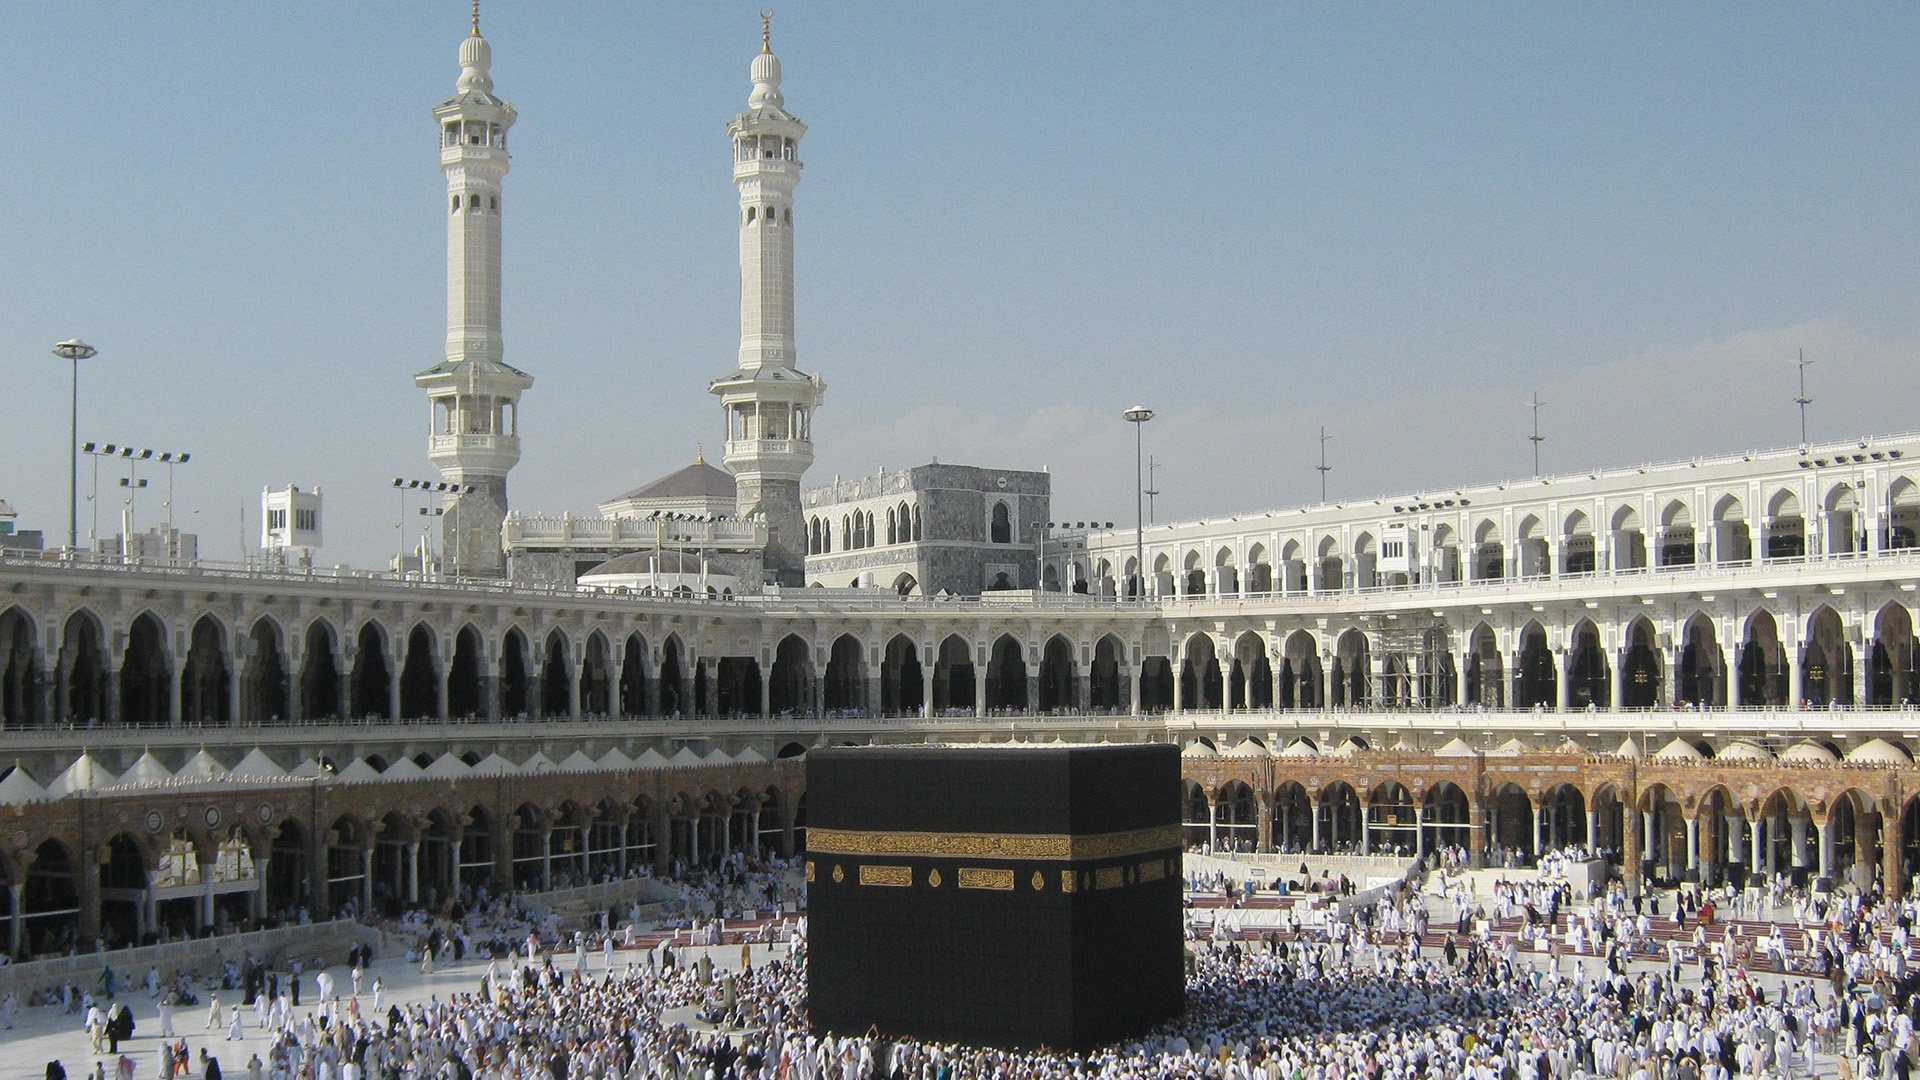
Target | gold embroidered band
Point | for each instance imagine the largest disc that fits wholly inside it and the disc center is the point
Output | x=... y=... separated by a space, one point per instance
x=992 y=845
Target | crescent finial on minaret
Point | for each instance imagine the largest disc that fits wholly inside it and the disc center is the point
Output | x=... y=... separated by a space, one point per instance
x=766 y=30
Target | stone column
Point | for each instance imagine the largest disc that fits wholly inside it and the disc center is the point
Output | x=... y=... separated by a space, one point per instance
x=926 y=684
x=1892 y=856
x=174 y=677
x=1593 y=829
x=1693 y=844
x=1213 y=826
x=1797 y=839
x=1826 y=849
x=1796 y=678
x=1563 y=686
x=1313 y=809
x=1476 y=832
x=1539 y=813
x=1756 y=842
x=1133 y=689
x=766 y=693
x=413 y=871
x=393 y=687
x=1419 y=831
x=1631 y=852
x=1617 y=686
x=1263 y=824
x=1862 y=672
x=546 y=855
x=440 y=689
x=366 y=878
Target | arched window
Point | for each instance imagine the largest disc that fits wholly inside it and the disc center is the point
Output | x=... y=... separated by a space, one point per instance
x=1002 y=524
x=789 y=215
x=893 y=527
x=872 y=536
x=751 y=212
x=493 y=202
x=916 y=524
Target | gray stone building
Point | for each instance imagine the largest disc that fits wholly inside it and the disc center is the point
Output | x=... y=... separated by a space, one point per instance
x=935 y=528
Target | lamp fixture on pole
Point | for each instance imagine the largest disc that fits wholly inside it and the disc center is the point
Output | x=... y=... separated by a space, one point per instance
x=1138 y=417
x=74 y=350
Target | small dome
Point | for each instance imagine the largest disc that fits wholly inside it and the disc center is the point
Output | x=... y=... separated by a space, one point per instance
x=1742 y=750
x=1456 y=747
x=1299 y=748
x=1347 y=748
x=1628 y=748
x=476 y=56
x=1809 y=753
x=766 y=71
x=1879 y=752
x=643 y=562
x=1247 y=748
x=1512 y=747
x=1199 y=749
x=1679 y=750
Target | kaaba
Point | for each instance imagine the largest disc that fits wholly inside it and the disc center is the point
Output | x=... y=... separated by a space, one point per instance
x=1009 y=896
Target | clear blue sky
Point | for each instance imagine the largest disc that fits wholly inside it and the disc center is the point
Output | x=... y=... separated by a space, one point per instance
x=1016 y=220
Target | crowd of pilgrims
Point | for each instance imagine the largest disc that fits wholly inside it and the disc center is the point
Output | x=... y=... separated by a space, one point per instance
x=1554 y=1000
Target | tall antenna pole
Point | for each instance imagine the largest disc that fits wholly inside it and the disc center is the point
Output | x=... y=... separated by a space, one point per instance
x=1803 y=400
x=1151 y=491
x=1323 y=468
x=1536 y=438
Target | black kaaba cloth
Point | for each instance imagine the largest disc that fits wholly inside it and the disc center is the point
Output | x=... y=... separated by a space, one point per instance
x=1011 y=896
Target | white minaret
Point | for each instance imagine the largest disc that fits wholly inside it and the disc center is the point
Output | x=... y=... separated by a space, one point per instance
x=768 y=402
x=474 y=438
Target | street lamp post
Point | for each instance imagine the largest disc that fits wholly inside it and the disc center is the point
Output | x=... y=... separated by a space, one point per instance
x=74 y=350
x=1138 y=417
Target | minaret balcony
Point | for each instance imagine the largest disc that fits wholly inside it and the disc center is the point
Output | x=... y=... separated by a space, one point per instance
x=474 y=453
x=762 y=452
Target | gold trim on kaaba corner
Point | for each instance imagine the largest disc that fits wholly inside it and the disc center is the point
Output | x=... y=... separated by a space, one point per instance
x=992 y=845
x=975 y=878
x=809 y=869
x=871 y=874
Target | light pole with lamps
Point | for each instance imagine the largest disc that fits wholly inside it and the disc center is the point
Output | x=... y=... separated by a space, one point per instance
x=1138 y=417
x=74 y=350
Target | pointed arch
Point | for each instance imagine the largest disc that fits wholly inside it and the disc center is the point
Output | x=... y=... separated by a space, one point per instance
x=1057 y=689
x=516 y=685
x=420 y=674
x=80 y=679
x=556 y=675
x=320 y=697
x=263 y=678
x=372 y=682
x=953 y=676
x=845 y=683
x=20 y=677
x=206 y=682
x=466 y=689
x=633 y=677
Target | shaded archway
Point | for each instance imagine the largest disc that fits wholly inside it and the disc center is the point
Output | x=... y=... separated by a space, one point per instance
x=1339 y=818
x=420 y=676
x=1236 y=818
x=1701 y=664
x=320 y=673
x=1589 y=681
x=596 y=677
x=146 y=674
x=556 y=676
x=633 y=677
x=1642 y=686
x=845 y=684
x=902 y=684
x=466 y=692
x=791 y=689
x=1486 y=678
x=372 y=681
x=672 y=679
x=263 y=678
x=1535 y=682
x=1007 y=676
x=206 y=681
x=516 y=688
x=1292 y=829
x=20 y=672
x=1352 y=670
x=1563 y=818
x=1300 y=674
x=1826 y=661
x=1891 y=676
x=1056 y=676
x=348 y=845
x=50 y=902
x=81 y=675
x=1447 y=816
x=1106 y=684
x=1201 y=684
x=288 y=873
x=1156 y=684
x=1763 y=663
x=1510 y=826
x=1392 y=823
x=953 y=675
